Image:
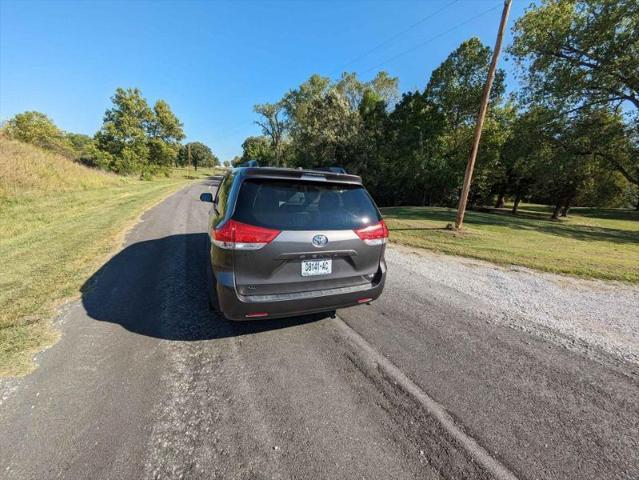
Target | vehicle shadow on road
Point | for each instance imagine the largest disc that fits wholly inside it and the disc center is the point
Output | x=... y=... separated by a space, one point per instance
x=157 y=288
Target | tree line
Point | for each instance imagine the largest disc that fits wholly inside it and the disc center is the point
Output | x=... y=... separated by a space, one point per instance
x=568 y=136
x=135 y=138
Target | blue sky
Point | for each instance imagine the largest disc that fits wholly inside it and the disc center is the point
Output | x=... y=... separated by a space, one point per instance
x=212 y=61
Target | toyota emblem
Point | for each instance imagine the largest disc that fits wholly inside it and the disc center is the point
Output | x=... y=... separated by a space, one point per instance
x=319 y=240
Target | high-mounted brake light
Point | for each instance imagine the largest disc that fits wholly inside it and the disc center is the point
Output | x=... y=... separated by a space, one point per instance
x=234 y=235
x=373 y=234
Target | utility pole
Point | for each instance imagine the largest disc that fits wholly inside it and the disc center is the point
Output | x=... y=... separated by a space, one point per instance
x=461 y=208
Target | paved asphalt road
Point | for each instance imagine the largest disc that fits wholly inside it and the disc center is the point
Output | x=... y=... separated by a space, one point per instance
x=146 y=383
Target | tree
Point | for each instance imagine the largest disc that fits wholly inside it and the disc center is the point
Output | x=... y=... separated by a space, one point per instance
x=454 y=91
x=576 y=53
x=164 y=124
x=78 y=141
x=567 y=160
x=418 y=172
x=326 y=132
x=257 y=148
x=456 y=86
x=124 y=131
x=165 y=133
x=37 y=129
x=522 y=152
x=383 y=87
x=201 y=155
x=273 y=126
x=137 y=139
x=490 y=175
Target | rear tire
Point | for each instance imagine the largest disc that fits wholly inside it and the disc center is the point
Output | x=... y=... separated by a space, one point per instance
x=211 y=290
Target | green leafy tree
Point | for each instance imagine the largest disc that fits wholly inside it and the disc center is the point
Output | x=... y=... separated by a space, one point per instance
x=165 y=133
x=569 y=163
x=201 y=155
x=79 y=141
x=124 y=131
x=273 y=126
x=257 y=148
x=37 y=129
x=576 y=53
x=522 y=152
x=456 y=86
x=328 y=129
x=417 y=171
x=164 y=124
x=490 y=175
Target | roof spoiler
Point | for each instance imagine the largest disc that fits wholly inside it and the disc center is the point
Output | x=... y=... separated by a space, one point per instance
x=307 y=175
x=333 y=169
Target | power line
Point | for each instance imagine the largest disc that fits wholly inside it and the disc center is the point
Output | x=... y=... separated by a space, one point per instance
x=426 y=42
x=395 y=36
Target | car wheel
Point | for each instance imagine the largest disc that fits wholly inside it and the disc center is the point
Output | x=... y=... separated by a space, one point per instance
x=211 y=294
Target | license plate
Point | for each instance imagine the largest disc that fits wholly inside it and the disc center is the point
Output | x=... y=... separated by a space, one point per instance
x=316 y=267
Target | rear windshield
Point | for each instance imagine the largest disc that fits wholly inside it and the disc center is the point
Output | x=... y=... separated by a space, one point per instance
x=286 y=205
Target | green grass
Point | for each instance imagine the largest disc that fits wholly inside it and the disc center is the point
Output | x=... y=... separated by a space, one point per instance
x=592 y=243
x=56 y=229
x=200 y=173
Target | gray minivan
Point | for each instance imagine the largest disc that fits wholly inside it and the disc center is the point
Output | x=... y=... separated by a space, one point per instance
x=286 y=242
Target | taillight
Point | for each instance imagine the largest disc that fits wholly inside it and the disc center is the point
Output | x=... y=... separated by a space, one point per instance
x=373 y=234
x=234 y=235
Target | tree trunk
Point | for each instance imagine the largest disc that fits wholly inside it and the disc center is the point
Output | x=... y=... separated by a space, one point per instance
x=566 y=207
x=555 y=212
x=425 y=188
x=501 y=200
x=516 y=204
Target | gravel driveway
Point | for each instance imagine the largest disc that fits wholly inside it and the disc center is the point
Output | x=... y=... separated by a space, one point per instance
x=585 y=315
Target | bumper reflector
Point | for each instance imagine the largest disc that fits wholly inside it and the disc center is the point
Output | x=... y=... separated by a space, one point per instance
x=256 y=315
x=364 y=300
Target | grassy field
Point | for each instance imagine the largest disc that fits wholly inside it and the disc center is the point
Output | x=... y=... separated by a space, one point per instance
x=59 y=222
x=594 y=243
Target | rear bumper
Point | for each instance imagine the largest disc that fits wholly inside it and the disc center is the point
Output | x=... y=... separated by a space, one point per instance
x=237 y=307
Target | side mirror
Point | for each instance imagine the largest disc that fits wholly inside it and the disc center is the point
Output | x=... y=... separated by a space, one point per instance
x=206 y=197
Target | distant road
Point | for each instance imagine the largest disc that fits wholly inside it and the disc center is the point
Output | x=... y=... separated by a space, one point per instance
x=146 y=383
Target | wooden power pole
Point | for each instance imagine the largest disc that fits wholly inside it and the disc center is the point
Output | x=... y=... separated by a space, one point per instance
x=461 y=208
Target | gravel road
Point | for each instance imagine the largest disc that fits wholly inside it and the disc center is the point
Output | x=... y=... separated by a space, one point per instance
x=460 y=370
x=588 y=316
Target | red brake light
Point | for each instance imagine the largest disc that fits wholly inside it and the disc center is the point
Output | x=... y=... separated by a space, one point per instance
x=236 y=235
x=374 y=234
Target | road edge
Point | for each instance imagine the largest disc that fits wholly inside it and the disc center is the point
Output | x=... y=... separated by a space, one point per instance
x=437 y=411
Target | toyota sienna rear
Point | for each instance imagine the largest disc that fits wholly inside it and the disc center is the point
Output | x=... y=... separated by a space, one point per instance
x=286 y=242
